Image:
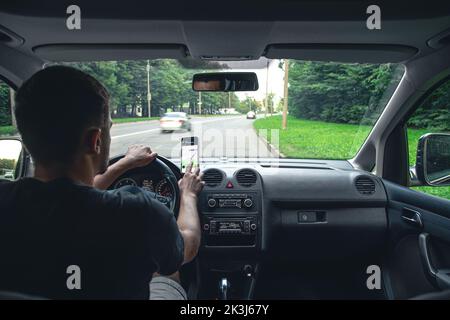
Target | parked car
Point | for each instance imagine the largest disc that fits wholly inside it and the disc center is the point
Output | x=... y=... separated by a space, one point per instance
x=172 y=121
x=251 y=115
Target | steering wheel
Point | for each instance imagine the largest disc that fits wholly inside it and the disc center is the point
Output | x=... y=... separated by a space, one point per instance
x=167 y=173
x=157 y=165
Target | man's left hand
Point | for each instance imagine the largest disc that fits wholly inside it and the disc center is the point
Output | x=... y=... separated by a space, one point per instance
x=138 y=155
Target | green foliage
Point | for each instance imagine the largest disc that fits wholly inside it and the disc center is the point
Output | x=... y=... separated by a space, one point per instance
x=249 y=104
x=8 y=164
x=5 y=107
x=7 y=130
x=170 y=86
x=340 y=93
x=434 y=113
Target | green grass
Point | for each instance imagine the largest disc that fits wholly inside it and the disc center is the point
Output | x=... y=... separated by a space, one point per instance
x=7 y=130
x=309 y=139
x=125 y=120
x=315 y=139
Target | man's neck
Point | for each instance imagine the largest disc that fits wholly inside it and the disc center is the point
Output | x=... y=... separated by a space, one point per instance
x=79 y=173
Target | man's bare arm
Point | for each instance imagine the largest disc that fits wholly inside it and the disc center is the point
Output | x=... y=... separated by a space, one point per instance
x=136 y=156
x=188 y=218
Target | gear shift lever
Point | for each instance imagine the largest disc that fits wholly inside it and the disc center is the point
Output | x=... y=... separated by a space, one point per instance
x=224 y=286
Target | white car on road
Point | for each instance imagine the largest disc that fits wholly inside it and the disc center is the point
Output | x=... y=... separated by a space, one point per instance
x=251 y=115
x=172 y=121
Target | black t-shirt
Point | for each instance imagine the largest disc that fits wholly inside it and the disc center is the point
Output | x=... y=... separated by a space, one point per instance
x=117 y=239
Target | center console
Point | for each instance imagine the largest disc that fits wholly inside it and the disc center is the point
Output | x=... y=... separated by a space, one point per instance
x=230 y=219
x=231 y=216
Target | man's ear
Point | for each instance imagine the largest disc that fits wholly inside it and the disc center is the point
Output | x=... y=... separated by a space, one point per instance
x=94 y=140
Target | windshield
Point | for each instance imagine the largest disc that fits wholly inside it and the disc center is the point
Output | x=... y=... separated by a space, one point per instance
x=324 y=110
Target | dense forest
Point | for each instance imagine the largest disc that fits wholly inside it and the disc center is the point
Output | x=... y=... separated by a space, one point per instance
x=355 y=93
x=331 y=92
x=170 y=87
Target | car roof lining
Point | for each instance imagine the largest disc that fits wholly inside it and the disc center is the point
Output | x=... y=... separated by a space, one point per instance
x=400 y=38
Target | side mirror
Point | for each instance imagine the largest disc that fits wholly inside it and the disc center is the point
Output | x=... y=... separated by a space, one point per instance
x=11 y=154
x=433 y=159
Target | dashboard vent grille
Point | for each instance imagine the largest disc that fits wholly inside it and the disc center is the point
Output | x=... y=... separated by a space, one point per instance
x=246 y=177
x=365 y=185
x=212 y=177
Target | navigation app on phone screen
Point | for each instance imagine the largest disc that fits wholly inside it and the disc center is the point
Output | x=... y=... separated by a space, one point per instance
x=189 y=153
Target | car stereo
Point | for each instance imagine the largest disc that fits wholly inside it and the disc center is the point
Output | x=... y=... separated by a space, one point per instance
x=230 y=200
x=230 y=231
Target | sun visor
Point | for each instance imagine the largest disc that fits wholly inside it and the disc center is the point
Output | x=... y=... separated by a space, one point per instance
x=109 y=52
x=341 y=52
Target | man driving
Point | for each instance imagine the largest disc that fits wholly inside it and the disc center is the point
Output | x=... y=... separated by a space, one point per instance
x=61 y=236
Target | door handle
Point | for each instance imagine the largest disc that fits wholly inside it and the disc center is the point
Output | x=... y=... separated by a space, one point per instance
x=412 y=217
x=438 y=277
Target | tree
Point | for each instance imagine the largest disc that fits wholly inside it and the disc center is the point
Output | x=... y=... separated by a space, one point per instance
x=336 y=92
x=5 y=105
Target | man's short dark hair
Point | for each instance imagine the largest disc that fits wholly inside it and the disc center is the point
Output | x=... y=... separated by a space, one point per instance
x=53 y=108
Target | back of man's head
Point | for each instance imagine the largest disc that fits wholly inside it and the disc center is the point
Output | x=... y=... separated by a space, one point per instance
x=54 y=108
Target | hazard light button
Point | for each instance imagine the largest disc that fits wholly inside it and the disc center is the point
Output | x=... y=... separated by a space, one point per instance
x=229 y=185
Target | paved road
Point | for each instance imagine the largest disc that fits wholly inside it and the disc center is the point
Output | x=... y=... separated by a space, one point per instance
x=231 y=137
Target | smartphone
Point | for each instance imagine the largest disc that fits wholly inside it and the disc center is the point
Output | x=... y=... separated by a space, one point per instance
x=189 y=152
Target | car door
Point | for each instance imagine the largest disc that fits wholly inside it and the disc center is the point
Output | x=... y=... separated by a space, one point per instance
x=418 y=256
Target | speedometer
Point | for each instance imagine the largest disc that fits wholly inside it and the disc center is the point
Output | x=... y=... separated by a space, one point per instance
x=147 y=184
x=164 y=189
x=125 y=182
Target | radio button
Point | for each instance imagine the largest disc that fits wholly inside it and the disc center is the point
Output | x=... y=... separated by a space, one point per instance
x=248 y=203
x=206 y=227
x=253 y=226
x=212 y=203
x=247 y=225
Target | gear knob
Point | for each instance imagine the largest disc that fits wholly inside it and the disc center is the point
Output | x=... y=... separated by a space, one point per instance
x=224 y=287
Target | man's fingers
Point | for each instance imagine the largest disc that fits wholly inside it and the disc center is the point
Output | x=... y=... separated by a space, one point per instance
x=153 y=155
x=197 y=170
x=189 y=167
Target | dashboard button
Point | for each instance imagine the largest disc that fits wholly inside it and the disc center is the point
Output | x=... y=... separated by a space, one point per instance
x=212 y=203
x=307 y=216
x=248 y=203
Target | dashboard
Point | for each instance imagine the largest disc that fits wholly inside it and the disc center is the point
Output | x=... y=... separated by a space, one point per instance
x=267 y=214
x=264 y=206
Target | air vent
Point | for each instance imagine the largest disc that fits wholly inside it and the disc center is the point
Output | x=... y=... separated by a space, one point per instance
x=212 y=177
x=365 y=185
x=246 y=177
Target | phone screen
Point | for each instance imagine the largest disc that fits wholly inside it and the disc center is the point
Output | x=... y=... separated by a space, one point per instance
x=189 y=152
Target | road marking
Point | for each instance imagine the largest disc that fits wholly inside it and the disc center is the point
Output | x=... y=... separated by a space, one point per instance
x=135 y=133
x=158 y=129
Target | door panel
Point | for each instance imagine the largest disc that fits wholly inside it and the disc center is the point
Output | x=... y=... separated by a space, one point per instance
x=406 y=267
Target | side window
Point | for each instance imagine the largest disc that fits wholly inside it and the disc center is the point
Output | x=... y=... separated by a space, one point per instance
x=9 y=149
x=432 y=116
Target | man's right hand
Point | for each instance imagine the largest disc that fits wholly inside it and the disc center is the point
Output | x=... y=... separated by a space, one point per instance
x=191 y=184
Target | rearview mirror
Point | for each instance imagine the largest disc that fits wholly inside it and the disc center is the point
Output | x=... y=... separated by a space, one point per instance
x=433 y=159
x=225 y=81
x=10 y=158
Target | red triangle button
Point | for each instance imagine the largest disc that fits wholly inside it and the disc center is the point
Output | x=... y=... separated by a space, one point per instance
x=229 y=185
